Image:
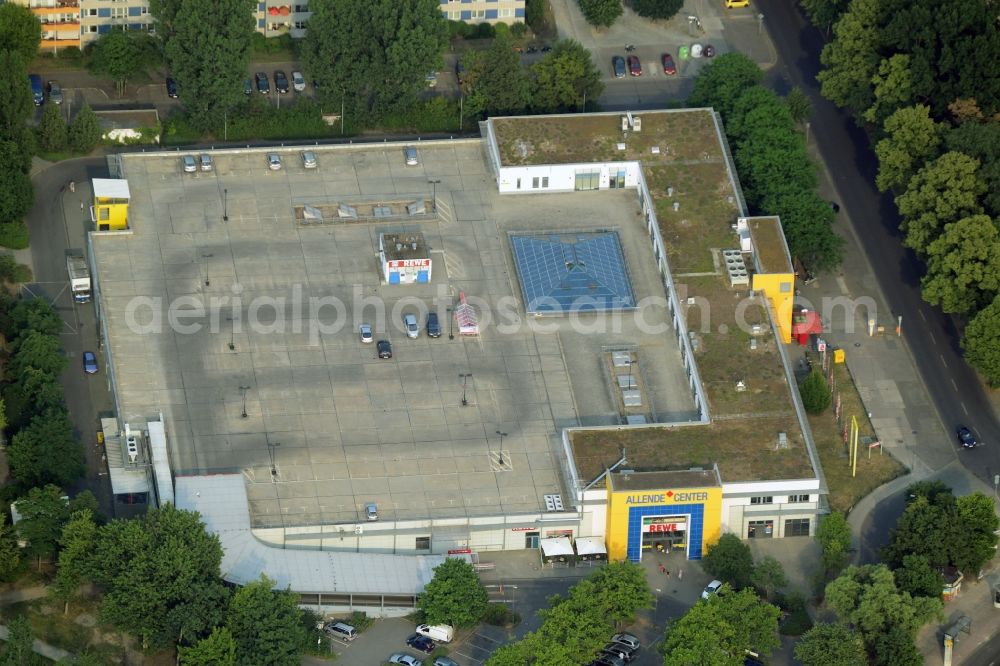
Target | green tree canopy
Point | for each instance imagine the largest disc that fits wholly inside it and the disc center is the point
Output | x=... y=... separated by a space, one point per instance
x=981 y=141
x=17 y=194
x=38 y=350
x=53 y=135
x=20 y=31
x=44 y=511
x=216 y=649
x=31 y=314
x=719 y=630
x=16 y=104
x=981 y=342
x=85 y=131
x=160 y=575
x=373 y=55
x=722 y=82
x=824 y=13
x=834 y=536
x=851 y=59
x=265 y=624
x=77 y=541
x=769 y=576
x=495 y=83
x=657 y=9
x=454 y=596
x=896 y=648
x=831 y=645
x=121 y=55
x=867 y=599
x=963 y=266
x=619 y=589
x=944 y=191
x=917 y=577
x=565 y=78
x=815 y=393
x=911 y=138
x=730 y=561
x=892 y=88
x=46 y=451
x=207 y=45
x=10 y=552
x=18 y=649
x=601 y=13
x=799 y=105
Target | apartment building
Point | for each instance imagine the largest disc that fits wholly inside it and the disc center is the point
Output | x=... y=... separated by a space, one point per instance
x=77 y=23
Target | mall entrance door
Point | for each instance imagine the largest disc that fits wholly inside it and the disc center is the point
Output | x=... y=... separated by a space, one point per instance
x=664 y=533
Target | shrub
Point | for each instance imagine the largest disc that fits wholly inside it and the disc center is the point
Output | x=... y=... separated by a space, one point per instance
x=14 y=235
x=501 y=30
x=497 y=614
x=797 y=620
x=437 y=114
x=484 y=31
x=518 y=30
x=360 y=621
x=815 y=393
x=13 y=272
x=460 y=29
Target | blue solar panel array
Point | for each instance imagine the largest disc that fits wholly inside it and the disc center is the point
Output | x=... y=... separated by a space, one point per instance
x=572 y=273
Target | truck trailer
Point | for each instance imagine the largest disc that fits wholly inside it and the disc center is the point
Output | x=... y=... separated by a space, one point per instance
x=79 y=277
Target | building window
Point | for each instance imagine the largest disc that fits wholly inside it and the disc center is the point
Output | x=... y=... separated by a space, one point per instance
x=760 y=529
x=478 y=14
x=104 y=213
x=91 y=12
x=797 y=527
x=300 y=25
x=767 y=499
x=545 y=181
x=531 y=539
x=518 y=183
x=301 y=8
x=588 y=181
x=118 y=12
x=534 y=183
x=793 y=499
x=506 y=13
x=455 y=16
x=92 y=28
x=423 y=543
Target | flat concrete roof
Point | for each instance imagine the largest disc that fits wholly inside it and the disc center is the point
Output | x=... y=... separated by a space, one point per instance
x=339 y=427
x=769 y=244
x=632 y=480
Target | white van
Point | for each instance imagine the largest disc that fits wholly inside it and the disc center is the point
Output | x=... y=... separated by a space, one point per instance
x=442 y=633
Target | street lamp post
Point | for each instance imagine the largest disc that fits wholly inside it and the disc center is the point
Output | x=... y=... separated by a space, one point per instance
x=630 y=361
x=434 y=198
x=225 y=205
x=270 y=452
x=500 y=457
x=465 y=376
x=243 y=390
x=232 y=333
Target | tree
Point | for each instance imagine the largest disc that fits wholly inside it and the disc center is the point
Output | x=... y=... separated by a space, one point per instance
x=20 y=31
x=834 y=536
x=921 y=529
x=867 y=598
x=160 y=576
x=121 y=55
x=919 y=578
x=981 y=342
x=565 y=78
x=10 y=552
x=454 y=596
x=824 y=13
x=265 y=624
x=46 y=452
x=20 y=640
x=799 y=105
x=43 y=511
x=769 y=576
x=831 y=645
x=77 y=541
x=534 y=14
x=722 y=82
x=373 y=56
x=216 y=649
x=37 y=350
x=657 y=9
x=601 y=13
x=963 y=266
x=815 y=393
x=620 y=590
x=911 y=138
x=572 y=632
x=851 y=60
x=981 y=141
x=17 y=194
x=16 y=105
x=730 y=561
x=979 y=525
x=896 y=648
x=207 y=46
x=944 y=191
x=31 y=314
x=85 y=131
x=718 y=631
x=893 y=88
x=53 y=134
x=495 y=83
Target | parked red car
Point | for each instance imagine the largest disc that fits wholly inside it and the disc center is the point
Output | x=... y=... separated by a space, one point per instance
x=634 y=66
x=669 y=67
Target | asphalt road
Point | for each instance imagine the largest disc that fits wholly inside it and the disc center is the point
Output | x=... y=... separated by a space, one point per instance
x=931 y=336
x=54 y=228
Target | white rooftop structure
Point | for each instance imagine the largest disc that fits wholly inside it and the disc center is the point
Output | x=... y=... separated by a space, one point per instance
x=556 y=546
x=113 y=188
x=590 y=546
x=161 y=465
x=221 y=500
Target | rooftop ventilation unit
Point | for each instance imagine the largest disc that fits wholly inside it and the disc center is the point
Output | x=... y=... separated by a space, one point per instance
x=553 y=502
x=637 y=124
x=625 y=123
x=736 y=268
x=782 y=440
x=131 y=445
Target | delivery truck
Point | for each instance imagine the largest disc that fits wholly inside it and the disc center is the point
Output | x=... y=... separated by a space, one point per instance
x=79 y=277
